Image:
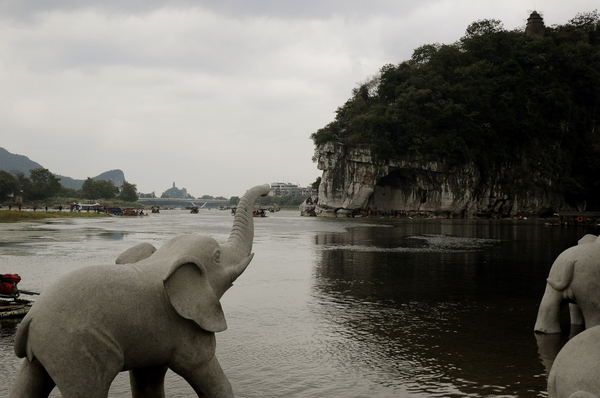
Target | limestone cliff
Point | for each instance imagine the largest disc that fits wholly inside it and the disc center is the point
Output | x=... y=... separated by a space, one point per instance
x=353 y=179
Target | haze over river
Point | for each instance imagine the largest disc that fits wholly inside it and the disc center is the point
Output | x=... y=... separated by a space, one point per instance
x=341 y=307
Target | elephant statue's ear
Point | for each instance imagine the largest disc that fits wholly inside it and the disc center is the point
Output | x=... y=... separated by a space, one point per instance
x=192 y=296
x=136 y=253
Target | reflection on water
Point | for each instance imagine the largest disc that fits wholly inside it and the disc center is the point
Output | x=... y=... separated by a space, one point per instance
x=446 y=313
x=343 y=308
x=110 y=235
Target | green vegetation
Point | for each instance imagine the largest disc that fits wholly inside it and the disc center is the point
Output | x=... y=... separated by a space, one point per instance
x=42 y=184
x=281 y=201
x=498 y=99
x=315 y=185
x=15 y=215
x=128 y=192
x=8 y=184
x=93 y=189
x=43 y=188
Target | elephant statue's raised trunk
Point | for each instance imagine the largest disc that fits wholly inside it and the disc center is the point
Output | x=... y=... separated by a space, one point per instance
x=238 y=247
x=242 y=232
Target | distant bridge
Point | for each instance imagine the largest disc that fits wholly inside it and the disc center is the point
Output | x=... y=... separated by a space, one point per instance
x=183 y=202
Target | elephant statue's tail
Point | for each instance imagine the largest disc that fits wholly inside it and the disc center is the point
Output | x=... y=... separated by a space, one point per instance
x=21 y=346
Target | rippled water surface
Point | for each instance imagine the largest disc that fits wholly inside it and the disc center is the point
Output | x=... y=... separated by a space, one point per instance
x=341 y=307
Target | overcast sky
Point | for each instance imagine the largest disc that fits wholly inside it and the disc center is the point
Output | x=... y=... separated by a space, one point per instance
x=216 y=96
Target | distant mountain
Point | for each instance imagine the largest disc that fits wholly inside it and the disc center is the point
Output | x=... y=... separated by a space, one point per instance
x=16 y=163
x=116 y=176
x=19 y=163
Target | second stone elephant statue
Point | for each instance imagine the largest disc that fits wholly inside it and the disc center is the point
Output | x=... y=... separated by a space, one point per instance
x=163 y=312
x=574 y=373
x=575 y=279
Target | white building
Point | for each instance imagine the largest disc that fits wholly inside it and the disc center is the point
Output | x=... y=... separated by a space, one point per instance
x=286 y=189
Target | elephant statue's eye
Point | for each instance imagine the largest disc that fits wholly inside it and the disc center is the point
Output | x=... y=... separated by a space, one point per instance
x=217 y=256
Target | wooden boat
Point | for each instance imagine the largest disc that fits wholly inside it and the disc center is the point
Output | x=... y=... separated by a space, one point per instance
x=126 y=212
x=14 y=307
x=259 y=213
x=10 y=304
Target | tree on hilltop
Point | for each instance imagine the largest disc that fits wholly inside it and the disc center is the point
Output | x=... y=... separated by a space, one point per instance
x=128 y=192
x=9 y=185
x=98 y=189
x=42 y=185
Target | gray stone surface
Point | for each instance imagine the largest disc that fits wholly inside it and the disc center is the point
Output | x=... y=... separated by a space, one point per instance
x=574 y=277
x=354 y=179
x=155 y=310
x=576 y=369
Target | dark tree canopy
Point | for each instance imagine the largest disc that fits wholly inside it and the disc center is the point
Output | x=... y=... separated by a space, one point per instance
x=42 y=184
x=128 y=192
x=494 y=98
x=98 y=189
x=9 y=185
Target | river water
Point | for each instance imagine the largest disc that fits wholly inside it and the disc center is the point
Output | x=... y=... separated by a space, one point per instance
x=341 y=307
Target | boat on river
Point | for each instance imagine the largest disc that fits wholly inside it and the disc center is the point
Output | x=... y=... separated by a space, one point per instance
x=10 y=304
x=14 y=307
x=259 y=213
x=256 y=213
x=125 y=211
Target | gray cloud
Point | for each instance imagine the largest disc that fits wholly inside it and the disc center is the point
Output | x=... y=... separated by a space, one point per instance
x=306 y=9
x=217 y=95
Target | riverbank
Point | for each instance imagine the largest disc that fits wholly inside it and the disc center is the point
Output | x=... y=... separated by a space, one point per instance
x=7 y=216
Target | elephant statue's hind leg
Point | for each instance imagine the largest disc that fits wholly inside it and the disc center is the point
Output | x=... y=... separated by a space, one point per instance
x=148 y=382
x=89 y=377
x=32 y=381
x=576 y=315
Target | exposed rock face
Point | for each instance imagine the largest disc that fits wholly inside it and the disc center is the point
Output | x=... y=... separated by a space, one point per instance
x=352 y=180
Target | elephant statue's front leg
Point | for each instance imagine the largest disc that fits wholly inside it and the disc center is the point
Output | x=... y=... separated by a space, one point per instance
x=208 y=380
x=148 y=382
x=548 y=319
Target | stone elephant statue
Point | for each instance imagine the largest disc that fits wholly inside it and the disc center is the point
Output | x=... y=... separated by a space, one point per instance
x=575 y=372
x=575 y=279
x=153 y=310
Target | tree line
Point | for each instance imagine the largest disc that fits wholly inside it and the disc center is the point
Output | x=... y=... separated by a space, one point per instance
x=42 y=185
x=496 y=98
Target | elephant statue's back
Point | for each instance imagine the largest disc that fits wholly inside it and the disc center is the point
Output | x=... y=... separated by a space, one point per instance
x=98 y=301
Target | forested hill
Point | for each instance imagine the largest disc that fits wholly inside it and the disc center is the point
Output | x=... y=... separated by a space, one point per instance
x=16 y=163
x=496 y=98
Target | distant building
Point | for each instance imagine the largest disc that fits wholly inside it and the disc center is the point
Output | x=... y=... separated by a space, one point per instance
x=15 y=198
x=535 y=26
x=287 y=189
